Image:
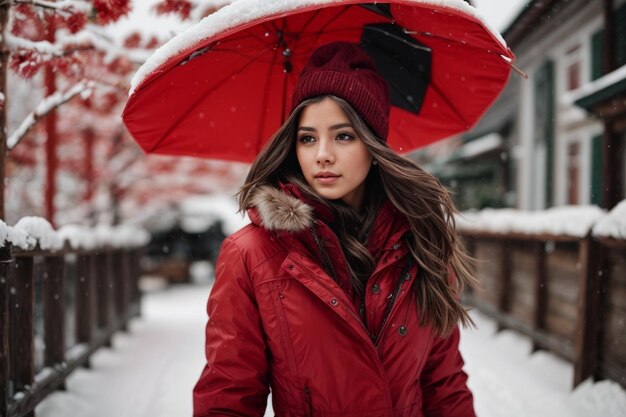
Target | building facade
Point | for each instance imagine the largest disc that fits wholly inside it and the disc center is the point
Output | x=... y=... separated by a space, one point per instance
x=557 y=137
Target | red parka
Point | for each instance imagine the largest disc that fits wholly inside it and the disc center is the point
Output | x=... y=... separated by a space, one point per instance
x=276 y=319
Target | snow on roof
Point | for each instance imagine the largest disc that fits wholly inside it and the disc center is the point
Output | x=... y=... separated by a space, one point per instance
x=200 y=212
x=613 y=224
x=32 y=232
x=242 y=11
x=574 y=221
x=595 y=86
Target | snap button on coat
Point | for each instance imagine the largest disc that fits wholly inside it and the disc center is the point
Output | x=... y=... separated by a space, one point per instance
x=375 y=288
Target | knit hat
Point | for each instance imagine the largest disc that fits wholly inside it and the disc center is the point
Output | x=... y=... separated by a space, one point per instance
x=345 y=70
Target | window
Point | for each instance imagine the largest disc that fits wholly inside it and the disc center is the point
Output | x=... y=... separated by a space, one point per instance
x=596 y=170
x=573 y=173
x=597 y=43
x=572 y=68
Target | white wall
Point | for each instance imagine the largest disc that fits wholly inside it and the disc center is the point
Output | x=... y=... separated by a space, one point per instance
x=552 y=42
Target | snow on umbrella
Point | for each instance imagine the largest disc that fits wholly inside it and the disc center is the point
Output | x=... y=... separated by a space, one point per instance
x=222 y=88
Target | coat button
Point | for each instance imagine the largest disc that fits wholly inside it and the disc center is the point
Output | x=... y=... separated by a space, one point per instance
x=375 y=289
x=407 y=277
x=334 y=302
x=290 y=266
x=402 y=330
x=395 y=246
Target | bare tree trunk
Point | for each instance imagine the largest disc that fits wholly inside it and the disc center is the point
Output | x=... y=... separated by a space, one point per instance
x=51 y=133
x=4 y=59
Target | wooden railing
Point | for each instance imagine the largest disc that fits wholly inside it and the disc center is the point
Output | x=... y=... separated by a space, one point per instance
x=567 y=294
x=71 y=300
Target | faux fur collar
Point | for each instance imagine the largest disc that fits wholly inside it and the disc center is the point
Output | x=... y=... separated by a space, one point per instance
x=281 y=212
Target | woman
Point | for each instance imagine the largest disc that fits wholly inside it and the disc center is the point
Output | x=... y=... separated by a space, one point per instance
x=338 y=296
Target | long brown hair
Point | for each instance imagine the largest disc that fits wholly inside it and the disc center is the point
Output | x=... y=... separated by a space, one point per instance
x=432 y=239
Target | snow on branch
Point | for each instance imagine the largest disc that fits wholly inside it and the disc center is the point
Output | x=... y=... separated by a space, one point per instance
x=62 y=6
x=41 y=47
x=84 y=40
x=46 y=106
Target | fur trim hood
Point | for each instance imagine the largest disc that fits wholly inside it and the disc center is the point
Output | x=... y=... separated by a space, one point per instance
x=276 y=211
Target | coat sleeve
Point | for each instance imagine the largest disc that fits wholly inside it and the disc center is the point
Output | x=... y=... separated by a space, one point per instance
x=444 y=383
x=235 y=379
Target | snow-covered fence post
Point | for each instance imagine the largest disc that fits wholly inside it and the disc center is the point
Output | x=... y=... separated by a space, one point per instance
x=21 y=323
x=589 y=310
x=119 y=293
x=6 y=268
x=84 y=297
x=541 y=289
x=53 y=300
x=504 y=280
x=135 y=268
x=103 y=289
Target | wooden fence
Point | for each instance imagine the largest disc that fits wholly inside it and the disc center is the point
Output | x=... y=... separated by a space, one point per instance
x=567 y=294
x=56 y=309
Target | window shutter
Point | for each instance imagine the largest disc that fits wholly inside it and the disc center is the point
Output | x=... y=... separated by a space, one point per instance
x=596 y=170
x=544 y=121
x=597 y=52
x=620 y=32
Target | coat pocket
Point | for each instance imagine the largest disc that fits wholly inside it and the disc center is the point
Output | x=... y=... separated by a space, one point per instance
x=276 y=291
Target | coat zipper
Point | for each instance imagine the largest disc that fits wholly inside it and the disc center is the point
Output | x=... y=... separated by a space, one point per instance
x=309 y=402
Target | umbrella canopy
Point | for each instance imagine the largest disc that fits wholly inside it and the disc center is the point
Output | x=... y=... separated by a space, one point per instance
x=223 y=87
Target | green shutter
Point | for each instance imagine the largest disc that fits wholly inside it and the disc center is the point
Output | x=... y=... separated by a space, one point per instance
x=596 y=170
x=544 y=121
x=597 y=52
x=620 y=33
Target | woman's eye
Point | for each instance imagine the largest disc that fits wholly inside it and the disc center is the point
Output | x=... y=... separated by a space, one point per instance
x=344 y=136
x=306 y=139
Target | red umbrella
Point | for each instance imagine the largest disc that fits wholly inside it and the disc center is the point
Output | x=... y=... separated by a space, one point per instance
x=222 y=88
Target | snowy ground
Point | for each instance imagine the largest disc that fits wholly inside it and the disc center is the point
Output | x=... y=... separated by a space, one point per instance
x=150 y=371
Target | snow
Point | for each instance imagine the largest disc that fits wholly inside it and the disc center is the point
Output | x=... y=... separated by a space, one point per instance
x=45 y=106
x=32 y=232
x=241 y=12
x=151 y=371
x=614 y=224
x=41 y=233
x=590 y=88
x=574 y=221
x=200 y=212
x=481 y=145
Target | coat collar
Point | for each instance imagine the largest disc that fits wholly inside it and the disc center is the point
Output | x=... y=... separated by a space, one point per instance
x=277 y=211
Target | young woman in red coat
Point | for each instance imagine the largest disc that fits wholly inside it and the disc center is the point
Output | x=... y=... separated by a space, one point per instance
x=338 y=296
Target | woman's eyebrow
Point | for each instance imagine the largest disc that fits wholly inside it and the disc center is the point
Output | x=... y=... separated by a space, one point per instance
x=333 y=127
x=340 y=126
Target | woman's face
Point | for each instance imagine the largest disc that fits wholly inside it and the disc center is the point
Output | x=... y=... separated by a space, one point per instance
x=333 y=159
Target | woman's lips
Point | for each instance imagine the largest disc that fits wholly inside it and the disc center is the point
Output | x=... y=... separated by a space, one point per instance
x=326 y=178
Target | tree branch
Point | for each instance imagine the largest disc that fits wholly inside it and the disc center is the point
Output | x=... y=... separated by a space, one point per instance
x=59 y=6
x=84 y=40
x=46 y=106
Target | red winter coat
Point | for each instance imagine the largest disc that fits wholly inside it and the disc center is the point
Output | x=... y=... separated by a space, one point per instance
x=276 y=319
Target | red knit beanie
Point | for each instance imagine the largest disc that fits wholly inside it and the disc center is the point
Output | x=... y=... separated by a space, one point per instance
x=345 y=70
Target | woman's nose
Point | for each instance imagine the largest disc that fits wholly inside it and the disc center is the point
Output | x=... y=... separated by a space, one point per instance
x=325 y=153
